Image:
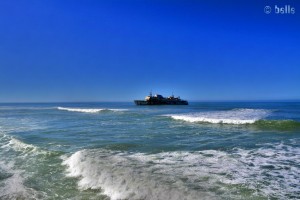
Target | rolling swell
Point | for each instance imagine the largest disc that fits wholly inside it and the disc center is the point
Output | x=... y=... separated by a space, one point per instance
x=262 y=124
x=282 y=125
x=252 y=118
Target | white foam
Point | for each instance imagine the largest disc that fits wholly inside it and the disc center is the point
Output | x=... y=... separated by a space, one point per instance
x=236 y=116
x=268 y=171
x=13 y=186
x=89 y=110
x=17 y=145
x=122 y=177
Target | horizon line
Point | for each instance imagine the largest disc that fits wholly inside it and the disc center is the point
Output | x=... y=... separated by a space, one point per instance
x=127 y=101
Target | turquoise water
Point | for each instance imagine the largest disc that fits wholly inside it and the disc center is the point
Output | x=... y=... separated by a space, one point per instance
x=232 y=150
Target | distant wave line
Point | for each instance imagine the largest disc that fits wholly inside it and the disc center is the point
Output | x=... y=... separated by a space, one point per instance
x=89 y=110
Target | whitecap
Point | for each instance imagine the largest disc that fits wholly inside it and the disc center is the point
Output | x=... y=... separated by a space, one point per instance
x=235 y=116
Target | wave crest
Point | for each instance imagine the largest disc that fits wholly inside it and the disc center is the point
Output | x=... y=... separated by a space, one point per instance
x=89 y=110
x=235 y=116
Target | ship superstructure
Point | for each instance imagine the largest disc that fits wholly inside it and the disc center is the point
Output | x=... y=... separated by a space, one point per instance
x=158 y=99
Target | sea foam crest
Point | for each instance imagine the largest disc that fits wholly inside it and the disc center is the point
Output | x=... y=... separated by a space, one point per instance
x=9 y=143
x=235 y=116
x=189 y=175
x=89 y=110
x=18 y=145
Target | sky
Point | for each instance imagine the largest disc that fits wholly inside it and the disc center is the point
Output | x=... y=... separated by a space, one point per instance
x=120 y=50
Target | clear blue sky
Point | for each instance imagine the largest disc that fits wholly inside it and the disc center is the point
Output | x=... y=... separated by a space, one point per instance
x=70 y=50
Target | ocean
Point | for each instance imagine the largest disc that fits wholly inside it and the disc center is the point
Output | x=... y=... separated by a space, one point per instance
x=206 y=150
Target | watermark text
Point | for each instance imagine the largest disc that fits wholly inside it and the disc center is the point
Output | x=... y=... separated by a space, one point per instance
x=281 y=10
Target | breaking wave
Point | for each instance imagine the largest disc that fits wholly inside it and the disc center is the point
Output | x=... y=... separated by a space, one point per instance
x=89 y=110
x=124 y=176
x=236 y=116
x=270 y=171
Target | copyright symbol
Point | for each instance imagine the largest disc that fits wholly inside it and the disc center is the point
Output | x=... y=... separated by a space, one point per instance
x=268 y=10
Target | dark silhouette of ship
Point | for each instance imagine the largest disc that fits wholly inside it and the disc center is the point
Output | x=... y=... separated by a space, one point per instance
x=160 y=100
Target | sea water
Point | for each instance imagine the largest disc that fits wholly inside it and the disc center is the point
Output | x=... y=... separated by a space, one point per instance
x=218 y=150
